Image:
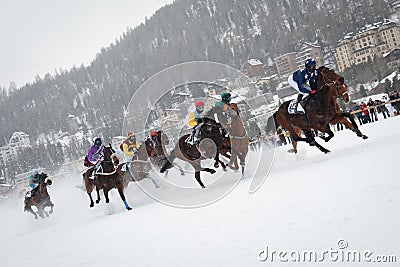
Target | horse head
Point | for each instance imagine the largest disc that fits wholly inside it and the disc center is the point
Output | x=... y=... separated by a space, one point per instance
x=335 y=82
x=155 y=146
x=210 y=129
x=109 y=155
x=44 y=180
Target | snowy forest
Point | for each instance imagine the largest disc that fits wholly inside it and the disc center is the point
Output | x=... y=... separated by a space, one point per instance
x=225 y=31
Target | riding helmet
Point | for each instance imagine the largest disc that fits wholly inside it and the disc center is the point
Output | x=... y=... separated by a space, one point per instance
x=98 y=141
x=310 y=62
x=226 y=97
x=199 y=104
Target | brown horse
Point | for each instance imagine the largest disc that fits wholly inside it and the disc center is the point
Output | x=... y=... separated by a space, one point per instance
x=210 y=139
x=239 y=140
x=140 y=166
x=110 y=177
x=237 y=143
x=321 y=110
x=41 y=198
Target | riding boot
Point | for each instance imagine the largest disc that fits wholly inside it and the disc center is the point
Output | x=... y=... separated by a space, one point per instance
x=296 y=104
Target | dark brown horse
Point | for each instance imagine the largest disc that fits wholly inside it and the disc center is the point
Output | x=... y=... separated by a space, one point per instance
x=140 y=167
x=41 y=198
x=108 y=178
x=321 y=110
x=210 y=138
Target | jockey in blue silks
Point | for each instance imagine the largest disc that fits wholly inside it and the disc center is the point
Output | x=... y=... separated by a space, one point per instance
x=304 y=81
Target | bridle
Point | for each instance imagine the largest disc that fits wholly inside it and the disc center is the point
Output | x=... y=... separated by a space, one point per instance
x=330 y=82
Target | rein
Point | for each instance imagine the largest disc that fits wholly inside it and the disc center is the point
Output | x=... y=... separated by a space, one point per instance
x=330 y=83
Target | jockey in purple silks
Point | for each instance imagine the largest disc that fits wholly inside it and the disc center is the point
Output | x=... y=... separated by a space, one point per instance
x=95 y=155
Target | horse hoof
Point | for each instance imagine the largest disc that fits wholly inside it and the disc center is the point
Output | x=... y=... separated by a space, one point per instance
x=129 y=208
x=107 y=201
x=92 y=205
x=213 y=171
x=98 y=201
x=225 y=169
x=216 y=165
x=182 y=173
x=365 y=137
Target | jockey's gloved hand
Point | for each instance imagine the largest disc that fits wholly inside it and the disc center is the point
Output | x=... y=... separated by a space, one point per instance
x=306 y=87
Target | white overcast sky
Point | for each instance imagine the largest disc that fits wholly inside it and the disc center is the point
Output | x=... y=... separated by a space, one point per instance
x=39 y=36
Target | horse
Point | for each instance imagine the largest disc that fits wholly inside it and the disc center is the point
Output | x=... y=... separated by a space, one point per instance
x=111 y=176
x=237 y=143
x=321 y=109
x=239 y=139
x=41 y=198
x=140 y=166
x=210 y=138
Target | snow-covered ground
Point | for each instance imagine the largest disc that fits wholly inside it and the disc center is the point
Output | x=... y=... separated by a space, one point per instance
x=308 y=202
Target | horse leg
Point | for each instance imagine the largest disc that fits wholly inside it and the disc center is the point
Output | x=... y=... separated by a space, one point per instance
x=121 y=194
x=330 y=134
x=154 y=182
x=40 y=211
x=51 y=208
x=353 y=126
x=28 y=208
x=91 y=199
x=312 y=142
x=197 y=176
x=105 y=191
x=98 y=195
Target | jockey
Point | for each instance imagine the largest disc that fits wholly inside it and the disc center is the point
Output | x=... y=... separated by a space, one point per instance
x=33 y=182
x=152 y=137
x=196 y=121
x=129 y=147
x=225 y=102
x=304 y=81
x=95 y=155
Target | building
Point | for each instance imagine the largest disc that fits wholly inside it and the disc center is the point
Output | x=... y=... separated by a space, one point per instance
x=9 y=152
x=309 y=50
x=370 y=41
x=253 y=68
x=290 y=62
x=286 y=63
x=393 y=59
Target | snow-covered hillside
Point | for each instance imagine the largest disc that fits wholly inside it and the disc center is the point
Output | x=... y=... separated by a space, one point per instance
x=308 y=202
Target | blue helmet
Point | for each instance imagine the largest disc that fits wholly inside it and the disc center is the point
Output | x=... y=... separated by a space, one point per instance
x=310 y=62
x=97 y=141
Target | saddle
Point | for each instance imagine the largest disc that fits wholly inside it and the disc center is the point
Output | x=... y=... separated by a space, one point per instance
x=301 y=106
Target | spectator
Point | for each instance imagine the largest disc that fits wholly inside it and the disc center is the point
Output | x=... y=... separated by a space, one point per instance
x=372 y=112
x=388 y=106
x=365 y=111
x=359 y=114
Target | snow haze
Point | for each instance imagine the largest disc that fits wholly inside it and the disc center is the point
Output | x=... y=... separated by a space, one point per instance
x=41 y=36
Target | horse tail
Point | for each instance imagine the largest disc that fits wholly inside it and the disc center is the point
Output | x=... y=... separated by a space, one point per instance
x=272 y=125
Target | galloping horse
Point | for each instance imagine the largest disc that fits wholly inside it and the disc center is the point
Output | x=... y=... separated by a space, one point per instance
x=238 y=141
x=140 y=166
x=109 y=177
x=41 y=198
x=321 y=110
x=210 y=138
